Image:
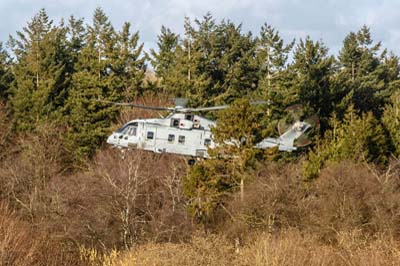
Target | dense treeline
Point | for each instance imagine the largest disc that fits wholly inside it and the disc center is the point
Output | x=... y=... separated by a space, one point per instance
x=56 y=72
x=63 y=190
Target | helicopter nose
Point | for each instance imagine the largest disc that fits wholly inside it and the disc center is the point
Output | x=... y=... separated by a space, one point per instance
x=111 y=139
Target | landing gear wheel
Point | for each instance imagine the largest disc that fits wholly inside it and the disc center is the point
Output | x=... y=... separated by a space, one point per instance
x=191 y=162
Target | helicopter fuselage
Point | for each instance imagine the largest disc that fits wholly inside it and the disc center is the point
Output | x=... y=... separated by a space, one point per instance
x=179 y=133
x=190 y=135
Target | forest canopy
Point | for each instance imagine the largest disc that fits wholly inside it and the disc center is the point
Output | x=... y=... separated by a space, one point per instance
x=67 y=199
x=54 y=72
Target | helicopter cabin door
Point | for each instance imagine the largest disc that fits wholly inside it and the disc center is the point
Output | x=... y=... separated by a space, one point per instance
x=150 y=138
x=128 y=136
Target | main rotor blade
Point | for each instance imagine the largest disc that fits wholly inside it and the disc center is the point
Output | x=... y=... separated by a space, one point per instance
x=139 y=106
x=212 y=108
x=260 y=102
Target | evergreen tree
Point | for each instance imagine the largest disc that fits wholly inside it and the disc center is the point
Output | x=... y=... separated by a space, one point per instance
x=76 y=39
x=391 y=121
x=275 y=76
x=164 y=60
x=40 y=84
x=238 y=65
x=314 y=70
x=201 y=63
x=356 y=138
x=173 y=63
x=212 y=64
x=209 y=182
x=94 y=78
x=364 y=79
x=6 y=76
x=272 y=56
x=130 y=64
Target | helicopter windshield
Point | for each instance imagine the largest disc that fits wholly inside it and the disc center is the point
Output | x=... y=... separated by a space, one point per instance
x=128 y=129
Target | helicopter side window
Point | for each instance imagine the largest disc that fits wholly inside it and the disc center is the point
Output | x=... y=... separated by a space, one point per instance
x=196 y=123
x=132 y=131
x=171 y=138
x=175 y=122
x=189 y=117
x=207 y=142
x=181 y=139
x=150 y=135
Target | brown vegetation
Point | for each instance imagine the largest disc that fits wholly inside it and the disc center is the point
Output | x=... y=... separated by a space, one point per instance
x=118 y=200
x=133 y=201
x=290 y=247
x=345 y=197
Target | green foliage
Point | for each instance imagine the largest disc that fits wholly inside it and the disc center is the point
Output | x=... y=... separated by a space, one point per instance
x=93 y=78
x=356 y=138
x=232 y=160
x=314 y=70
x=275 y=80
x=6 y=76
x=129 y=63
x=76 y=34
x=163 y=59
x=391 y=121
x=272 y=57
x=212 y=64
x=41 y=80
x=206 y=185
x=314 y=164
x=366 y=76
x=57 y=72
x=60 y=71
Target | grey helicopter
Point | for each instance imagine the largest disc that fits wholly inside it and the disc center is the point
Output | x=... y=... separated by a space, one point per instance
x=185 y=133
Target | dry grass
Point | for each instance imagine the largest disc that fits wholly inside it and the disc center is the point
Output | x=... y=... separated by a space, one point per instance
x=290 y=247
x=346 y=197
x=16 y=244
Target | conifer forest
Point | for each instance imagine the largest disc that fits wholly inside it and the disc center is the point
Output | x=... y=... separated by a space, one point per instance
x=68 y=198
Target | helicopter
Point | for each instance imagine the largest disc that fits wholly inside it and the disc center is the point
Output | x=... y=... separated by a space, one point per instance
x=185 y=133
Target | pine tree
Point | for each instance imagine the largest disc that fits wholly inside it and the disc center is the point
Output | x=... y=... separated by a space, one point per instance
x=364 y=79
x=39 y=89
x=197 y=47
x=391 y=121
x=94 y=78
x=359 y=138
x=164 y=59
x=130 y=64
x=76 y=39
x=209 y=182
x=314 y=70
x=173 y=64
x=212 y=64
x=6 y=76
x=272 y=55
x=275 y=77
x=237 y=64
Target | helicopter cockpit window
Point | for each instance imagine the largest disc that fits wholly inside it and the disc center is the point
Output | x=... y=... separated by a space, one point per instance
x=127 y=129
x=122 y=129
x=174 y=122
x=181 y=139
x=171 y=138
x=150 y=135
